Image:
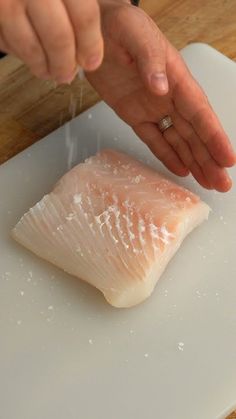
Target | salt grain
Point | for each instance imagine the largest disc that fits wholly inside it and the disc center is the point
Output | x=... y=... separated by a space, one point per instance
x=77 y=198
x=146 y=355
x=90 y=341
x=181 y=346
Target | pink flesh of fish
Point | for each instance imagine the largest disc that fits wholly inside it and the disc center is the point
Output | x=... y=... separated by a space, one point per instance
x=114 y=223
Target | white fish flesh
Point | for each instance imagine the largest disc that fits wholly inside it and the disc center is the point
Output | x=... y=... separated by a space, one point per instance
x=113 y=222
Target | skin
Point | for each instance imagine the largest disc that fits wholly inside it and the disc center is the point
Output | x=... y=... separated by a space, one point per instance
x=143 y=78
x=52 y=37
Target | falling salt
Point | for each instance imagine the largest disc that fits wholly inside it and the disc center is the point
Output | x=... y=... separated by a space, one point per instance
x=115 y=139
x=90 y=341
x=146 y=355
x=7 y=276
x=137 y=179
x=166 y=293
x=50 y=307
x=81 y=74
x=77 y=199
x=19 y=322
x=89 y=116
x=70 y=216
x=131 y=331
x=198 y=294
x=22 y=293
x=181 y=346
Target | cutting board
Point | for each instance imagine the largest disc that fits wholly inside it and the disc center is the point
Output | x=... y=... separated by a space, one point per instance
x=64 y=352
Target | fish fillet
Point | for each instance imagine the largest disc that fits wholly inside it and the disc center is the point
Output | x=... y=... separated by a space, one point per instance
x=113 y=222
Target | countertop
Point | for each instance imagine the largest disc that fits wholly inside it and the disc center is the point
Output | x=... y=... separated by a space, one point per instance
x=30 y=108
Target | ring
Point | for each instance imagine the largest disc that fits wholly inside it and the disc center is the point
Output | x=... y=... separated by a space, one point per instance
x=165 y=123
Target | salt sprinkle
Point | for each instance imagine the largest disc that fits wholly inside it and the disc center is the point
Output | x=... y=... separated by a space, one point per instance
x=90 y=341
x=77 y=198
x=146 y=355
x=19 y=322
x=181 y=346
x=131 y=331
x=22 y=293
x=70 y=216
x=50 y=307
x=90 y=116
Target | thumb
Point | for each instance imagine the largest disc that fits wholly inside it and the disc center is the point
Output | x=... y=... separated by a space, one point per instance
x=147 y=46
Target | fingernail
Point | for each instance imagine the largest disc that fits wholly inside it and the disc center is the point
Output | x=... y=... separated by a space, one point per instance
x=159 y=82
x=93 y=62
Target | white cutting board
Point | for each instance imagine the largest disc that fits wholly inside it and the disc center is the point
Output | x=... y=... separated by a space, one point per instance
x=65 y=353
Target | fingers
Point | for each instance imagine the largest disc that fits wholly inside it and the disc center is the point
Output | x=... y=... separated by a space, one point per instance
x=215 y=175
x=184 y=152
x=209 y=129
x=148 y=50
x=193 y=106
x=53 y=37
x=85 y=18
x=151 y=135
x=23 y=42
x=53 y=27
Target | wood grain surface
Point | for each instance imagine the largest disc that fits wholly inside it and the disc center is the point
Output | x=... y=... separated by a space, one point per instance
x=30 y=108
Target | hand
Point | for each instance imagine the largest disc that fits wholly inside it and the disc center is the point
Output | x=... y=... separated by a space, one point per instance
x=53 y=37
x=143 y=78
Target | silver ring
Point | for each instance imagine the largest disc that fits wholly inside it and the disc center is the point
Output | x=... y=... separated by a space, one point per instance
x=165 y=123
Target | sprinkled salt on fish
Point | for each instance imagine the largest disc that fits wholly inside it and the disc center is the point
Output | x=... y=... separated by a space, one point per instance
x=113 y=222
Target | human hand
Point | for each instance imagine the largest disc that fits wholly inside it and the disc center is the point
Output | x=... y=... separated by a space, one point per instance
x=143 y=78
x=52 y=37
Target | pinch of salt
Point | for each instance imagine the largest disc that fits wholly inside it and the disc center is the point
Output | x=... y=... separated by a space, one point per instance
x=77 y=198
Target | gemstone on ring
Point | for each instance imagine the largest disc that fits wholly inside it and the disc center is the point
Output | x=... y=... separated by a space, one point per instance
x=165 y=123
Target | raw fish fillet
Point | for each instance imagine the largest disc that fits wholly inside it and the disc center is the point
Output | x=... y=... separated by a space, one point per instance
x=113 y=222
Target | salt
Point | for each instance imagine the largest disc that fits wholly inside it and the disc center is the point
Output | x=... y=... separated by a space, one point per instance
x=181 y=346
x=77 y=199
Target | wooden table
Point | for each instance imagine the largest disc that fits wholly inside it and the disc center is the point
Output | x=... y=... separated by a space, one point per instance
x=30 y=109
